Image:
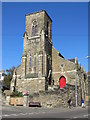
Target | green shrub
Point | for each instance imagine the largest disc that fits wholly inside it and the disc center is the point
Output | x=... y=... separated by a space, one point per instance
x=16 y=94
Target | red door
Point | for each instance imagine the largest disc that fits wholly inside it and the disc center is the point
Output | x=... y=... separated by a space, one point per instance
x=62 y=82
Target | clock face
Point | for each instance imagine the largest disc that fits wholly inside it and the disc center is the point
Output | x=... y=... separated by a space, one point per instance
x=34 y=28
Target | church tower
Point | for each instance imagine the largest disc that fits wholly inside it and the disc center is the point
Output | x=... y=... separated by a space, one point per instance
x=36 y=60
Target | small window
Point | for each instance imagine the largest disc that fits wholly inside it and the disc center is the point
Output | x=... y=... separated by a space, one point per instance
x=2 y=74
x=62 y=65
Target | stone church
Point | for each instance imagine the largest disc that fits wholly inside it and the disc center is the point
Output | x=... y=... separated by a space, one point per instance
x=42 y=67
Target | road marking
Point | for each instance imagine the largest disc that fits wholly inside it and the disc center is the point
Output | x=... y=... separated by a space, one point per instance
x=4 y=115
x=30 y=113
x=23 y=114
x=75 y=117
x=85 y=115
x=13 y=115
x=67 y=119
x=81 y=116
x=42 y=113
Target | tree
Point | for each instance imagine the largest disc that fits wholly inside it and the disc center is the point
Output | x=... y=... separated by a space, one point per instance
x=8 y=77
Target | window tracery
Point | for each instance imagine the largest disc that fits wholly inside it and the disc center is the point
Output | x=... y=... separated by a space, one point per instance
x=34 y=28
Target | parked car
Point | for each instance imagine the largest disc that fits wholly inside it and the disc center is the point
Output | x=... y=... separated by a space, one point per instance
x=34 y=104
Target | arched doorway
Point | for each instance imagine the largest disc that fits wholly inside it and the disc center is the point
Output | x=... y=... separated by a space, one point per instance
x=62 y=81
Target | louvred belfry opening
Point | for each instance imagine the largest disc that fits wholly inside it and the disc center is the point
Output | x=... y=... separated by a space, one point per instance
x=62 y=82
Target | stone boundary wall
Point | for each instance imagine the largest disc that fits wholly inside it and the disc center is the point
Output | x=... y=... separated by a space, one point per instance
x=57 y=98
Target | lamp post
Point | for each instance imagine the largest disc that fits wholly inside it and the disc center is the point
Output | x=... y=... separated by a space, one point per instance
x=87 y=57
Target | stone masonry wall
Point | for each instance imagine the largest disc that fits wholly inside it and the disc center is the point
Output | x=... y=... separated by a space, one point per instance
x=39 y=16
x=57 y=98
x=34 y=78
x=68 y=70
x=31 y=85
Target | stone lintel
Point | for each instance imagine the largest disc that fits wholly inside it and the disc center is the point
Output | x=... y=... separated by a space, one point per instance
x=35 y=37
x=41 y=78
x=24 y=57
x=63 y=72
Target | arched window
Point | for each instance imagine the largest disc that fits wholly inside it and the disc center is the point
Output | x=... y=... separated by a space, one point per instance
x=35 y=62
x=30 y=64
x=34 y=28
x=47 y=29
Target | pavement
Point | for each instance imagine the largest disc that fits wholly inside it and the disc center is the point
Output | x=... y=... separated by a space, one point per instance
x=33 y=112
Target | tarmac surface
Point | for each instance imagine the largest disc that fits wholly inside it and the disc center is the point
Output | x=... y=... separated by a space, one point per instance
x=34 y=112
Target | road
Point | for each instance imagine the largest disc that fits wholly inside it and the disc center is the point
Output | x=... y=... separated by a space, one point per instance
x=29 y=112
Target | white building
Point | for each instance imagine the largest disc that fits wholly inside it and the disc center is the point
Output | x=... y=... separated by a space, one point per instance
x=1 y=77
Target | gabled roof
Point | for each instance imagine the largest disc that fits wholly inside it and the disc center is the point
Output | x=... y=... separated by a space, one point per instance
x=61 y=55
x=72 y=60
x=58 y=52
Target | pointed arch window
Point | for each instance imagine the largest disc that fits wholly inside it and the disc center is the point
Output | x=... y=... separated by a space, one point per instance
x=34 y=28
x=30 y=64
x=35 y=62
x=47 y=29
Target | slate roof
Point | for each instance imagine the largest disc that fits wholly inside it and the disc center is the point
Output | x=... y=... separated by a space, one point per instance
x=72 y=60
x=60 y=55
